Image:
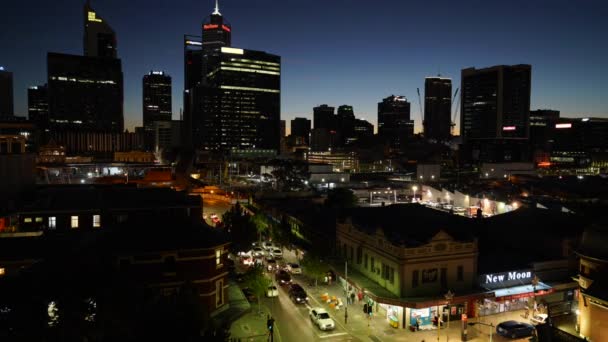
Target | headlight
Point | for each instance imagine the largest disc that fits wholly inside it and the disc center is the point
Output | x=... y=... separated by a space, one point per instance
x=306 y=298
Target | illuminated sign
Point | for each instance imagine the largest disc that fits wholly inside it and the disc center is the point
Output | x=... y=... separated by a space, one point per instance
x=210 y=26
x=232 y=50
x=93 y=17
x=225 y=28
x=544 y=164
x=585 y=119
x=505 y=279
x=192 y=42
x=563 y=125
x=509 y=128
x=157 y=73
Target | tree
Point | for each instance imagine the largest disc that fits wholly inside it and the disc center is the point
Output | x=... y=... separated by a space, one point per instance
x=261 y=224
x=281 y=233
x=314 y=266
x=257 y=281
x=240 y=227
x=290 y=175
x=341 y=198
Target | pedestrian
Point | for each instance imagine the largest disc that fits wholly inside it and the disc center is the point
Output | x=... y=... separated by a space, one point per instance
x=352 y=298
x=417 y=324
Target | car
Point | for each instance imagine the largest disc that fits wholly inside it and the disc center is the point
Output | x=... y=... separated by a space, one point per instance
x=271 y=264
x=276 y=253
x=293 y=268
x=258 y=251
x=514 y=329
x=268 y=245
x=539 y=319
x=282 y=277
x=249 y=294
x=272 y=291
x=297 y=294
x=246 y=259
x=320 y=317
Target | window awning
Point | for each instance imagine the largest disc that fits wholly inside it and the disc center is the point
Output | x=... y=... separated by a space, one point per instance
x=522 y=291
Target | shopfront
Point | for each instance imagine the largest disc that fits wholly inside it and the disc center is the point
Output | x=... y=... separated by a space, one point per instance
x=426 y=318
x=513 y=290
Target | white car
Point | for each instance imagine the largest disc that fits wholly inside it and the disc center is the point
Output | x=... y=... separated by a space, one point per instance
x=272 y=291
x=320 y=317
x=268 y=246
x=293 y=268
x=258 y=251
x=276 y=253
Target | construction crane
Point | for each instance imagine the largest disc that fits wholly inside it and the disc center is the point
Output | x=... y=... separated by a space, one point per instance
x=421 y=113
x=453 y=123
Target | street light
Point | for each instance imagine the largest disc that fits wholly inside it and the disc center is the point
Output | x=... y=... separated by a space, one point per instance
x=488 y=325
x=414 y=188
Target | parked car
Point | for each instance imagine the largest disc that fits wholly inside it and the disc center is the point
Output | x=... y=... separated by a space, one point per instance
x=272 y=291
x=282 y=277
x=271 y=264
x=293 y=268
x=320 y=317
x=539 y=319
x=276 y=253
x=514 y=329
x=268 y=245
x=258 y=251
x=249 y=294
x=297 y=294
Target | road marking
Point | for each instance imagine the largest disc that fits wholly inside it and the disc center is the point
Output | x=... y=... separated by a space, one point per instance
x=333 y=335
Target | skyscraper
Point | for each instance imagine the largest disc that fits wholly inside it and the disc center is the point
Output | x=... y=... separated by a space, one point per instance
x=495 y=111
x=236 y=105
x=323 y=117
x=394 y=124
x=38 y=106
x=300 y=127
x=437 y=108
x=346 y=125
x=85 y=93
x=99 y=37
x=6 y=93
x=239 y=106
x=156 y=105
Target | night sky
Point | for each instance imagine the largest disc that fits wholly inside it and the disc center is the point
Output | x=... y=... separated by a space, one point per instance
x=335 y=51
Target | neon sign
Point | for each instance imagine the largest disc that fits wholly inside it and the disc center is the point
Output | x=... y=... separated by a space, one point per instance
x=210 y=26
x=563 y=125
x=225 y=28
x=509 y=128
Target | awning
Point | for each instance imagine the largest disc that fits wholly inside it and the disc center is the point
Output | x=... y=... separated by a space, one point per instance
x=522 y=291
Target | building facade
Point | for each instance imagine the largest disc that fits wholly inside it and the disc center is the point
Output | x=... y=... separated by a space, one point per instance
x=6 y=93
x=99 y=37
x=157 y=110
x=437 y=108
x=300 y=127
x=394 y=125
x=495 y=111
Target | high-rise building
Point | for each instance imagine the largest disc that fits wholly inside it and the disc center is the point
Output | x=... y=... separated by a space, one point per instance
x=323 y=117
x=283 y=129
x=217 y=33
x=542 y=123
x=85 y=93
x=99 y=37
x=394 y=124
x=346 y=125
x=363 y=130
x=238 y=107
x=300 y=127
x=236 y=104
x=437 y=108
x=38 y=105
x=6 y=93
x=156 y=106
x=495 y=111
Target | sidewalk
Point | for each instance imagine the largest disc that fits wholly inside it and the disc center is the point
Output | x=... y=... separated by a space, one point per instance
x=377 y=327
x=251 y=326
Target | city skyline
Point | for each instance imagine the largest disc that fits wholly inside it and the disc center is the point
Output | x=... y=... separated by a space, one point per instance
x=559 y=50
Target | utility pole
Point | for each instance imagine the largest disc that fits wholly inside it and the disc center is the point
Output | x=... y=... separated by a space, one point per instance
x=346 y=290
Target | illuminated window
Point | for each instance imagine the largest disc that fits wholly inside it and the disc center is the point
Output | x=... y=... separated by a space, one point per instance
x=27 y=220
x=74 y=221
x=218 y=258
x=52 y=222
x=38 y=219
x=219 y=293
x=96 y=221
x=2 y=271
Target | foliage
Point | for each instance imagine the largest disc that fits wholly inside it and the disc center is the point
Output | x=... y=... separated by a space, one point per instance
x=290 y=175
x=257 y=281
x=314 y=266
x=261 y=224
x=281 y=233
x=240 y=227
x=341 y=198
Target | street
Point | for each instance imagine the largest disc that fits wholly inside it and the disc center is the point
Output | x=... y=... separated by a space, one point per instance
x=292 y=322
